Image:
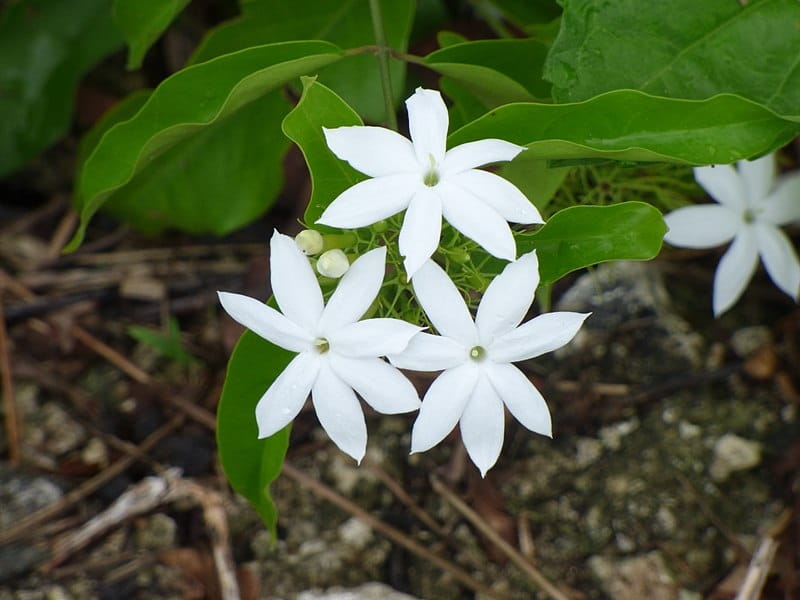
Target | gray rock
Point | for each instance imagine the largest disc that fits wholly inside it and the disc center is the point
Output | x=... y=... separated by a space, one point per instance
x=733 y=453
x=634 y=578
x=367 y=591
x=747 y=340
x=21 y=495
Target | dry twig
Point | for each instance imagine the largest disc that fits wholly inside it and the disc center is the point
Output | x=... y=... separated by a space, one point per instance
x=761 y=563
x=9 y=402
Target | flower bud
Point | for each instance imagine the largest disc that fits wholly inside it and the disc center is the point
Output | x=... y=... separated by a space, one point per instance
x=309 y=241
x=333 y=263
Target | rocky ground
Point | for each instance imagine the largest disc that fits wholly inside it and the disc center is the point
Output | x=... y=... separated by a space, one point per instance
x=674 y=463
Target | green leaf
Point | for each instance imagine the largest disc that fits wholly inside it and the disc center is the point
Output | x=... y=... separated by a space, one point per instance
x=581 y=236
x=347 y=24
x=251 y=464
x=166 y=343
x=121 y=111
x=211 y=182
x=538 y=181
x=634 y=126
x=196 y=101
x=495 y=71
x=524 y=13
x=680 y=49
x=142 y=22
x=46 y=46
x=320 y=107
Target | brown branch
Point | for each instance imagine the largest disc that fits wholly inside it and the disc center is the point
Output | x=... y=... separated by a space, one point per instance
x=9 y=401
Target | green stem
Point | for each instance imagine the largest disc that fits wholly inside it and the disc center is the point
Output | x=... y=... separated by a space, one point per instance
x=383 y=61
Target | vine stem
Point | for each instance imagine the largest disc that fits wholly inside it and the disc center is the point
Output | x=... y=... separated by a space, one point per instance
x=382 y=54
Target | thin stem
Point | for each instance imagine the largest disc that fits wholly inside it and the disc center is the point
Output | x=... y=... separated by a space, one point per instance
x=383 y=61
x=544 y=297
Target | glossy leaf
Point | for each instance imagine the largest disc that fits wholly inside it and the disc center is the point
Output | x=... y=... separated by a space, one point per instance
x=196 y=101
x=46 y=46
x=320 y=107
x=634 y=126
x=581 y=236
x=495 y=71
x=524 y=13
x=251 y=464
x=142 y=22
x=347 y=25
x=215 y=181
x=680 y=49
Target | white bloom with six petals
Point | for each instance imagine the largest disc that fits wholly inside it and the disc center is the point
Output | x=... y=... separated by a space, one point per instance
x=476 y=356
x=752 y=205
x=337 y=353
x=429 y=182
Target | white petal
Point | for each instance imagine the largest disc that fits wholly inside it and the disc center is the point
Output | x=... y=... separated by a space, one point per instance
x=498 y=193
x=444 y=305
x=701 y=226
x=426 y=352
x=375 y=151
x=442 y=406
x=372 y=337
x=293 y=283
x=339 y=412
x=370 y=201
x=477 y=221
x=757 y=177
x=723 y=184
x=783 y=205
x=265 y=321
x=287 y=394
x=780 y=258
x=538 y=336
x=382 y=386
x=422 y=227
x=355 y=292
x=476 y=154
x=508 y=298
x=521 y=397
x=428 y=122
x=482 y=425
x=735 y=270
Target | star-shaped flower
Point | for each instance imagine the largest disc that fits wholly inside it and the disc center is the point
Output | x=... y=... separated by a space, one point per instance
x=429 y=182
x=752 y=204
x=478 y=377
x=337 y=353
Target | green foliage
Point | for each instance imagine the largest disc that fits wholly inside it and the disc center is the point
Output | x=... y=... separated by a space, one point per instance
x=229 y=109
x=142 y=22
x=581 y=236
x=46 y=47
x=634 y=126
x=346 y=24
x=320 y=107
x=680 y=49
x=251 y=464
x=168 y=343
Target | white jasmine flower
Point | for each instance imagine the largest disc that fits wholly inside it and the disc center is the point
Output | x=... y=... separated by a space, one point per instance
x=429 y=182
x=752 y=204
x=478 y=377
x=309 y=241
x=333 y=263
x=337 y=353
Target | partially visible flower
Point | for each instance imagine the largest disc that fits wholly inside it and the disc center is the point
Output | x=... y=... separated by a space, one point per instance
x=752 y=204
x=309 y=241
x=476 y=357
x=333 y=263
x=429 y=182
x=337 y=353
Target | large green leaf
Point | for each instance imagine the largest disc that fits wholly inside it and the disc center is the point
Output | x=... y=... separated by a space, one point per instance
x=251 y=464
x=525 y=13
x=142 y=22
x=46 y=46
x=189 y=104
x=581 y=236
x=347 y=24
x=680 y=49
x=495 y=71
x=320 y=107
x=634 y=126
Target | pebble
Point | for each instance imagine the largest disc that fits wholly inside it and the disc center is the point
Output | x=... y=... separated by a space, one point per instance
x=733 y=453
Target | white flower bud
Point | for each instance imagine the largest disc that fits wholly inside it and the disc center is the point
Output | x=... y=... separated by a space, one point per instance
x=309 y=241
x=333 y=263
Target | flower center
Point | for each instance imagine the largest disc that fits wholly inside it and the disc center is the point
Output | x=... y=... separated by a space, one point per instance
x=431 y=177
x=321 y=345
x=477 y=353
x=750 y=216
